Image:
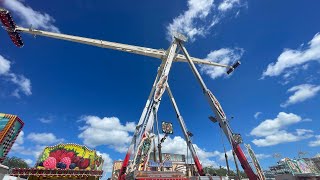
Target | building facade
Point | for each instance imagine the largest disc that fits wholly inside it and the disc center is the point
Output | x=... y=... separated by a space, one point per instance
x=296 y=169
x=10 y=127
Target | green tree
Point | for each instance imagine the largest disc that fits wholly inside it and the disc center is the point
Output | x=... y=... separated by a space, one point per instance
x=221 y=171
x=243 y=174
x=15 y=162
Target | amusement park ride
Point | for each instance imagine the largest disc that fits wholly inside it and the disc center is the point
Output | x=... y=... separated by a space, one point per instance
x=149 y=115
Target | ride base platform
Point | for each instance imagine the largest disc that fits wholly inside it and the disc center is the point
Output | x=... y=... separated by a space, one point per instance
x=156 y=175
x=168 y=175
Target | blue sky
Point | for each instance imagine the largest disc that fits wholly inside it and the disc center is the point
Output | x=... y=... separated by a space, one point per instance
x=68 y=92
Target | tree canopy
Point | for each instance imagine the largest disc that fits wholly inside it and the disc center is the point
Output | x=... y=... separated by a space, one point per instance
x=15 y=162
x=221 y=171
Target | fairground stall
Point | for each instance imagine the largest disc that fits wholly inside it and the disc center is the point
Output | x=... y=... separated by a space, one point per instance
x=64 y=161
x=10 y=127
x=296 y=169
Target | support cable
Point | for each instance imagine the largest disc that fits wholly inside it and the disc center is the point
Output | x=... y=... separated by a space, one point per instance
x=225 y=153
x=154 y=147
x=159 y=141
x=156 y=118
x=187 y=160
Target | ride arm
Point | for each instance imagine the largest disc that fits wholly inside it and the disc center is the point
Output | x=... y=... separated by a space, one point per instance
x=160 y=54
x=221 y=118
x=10 y=26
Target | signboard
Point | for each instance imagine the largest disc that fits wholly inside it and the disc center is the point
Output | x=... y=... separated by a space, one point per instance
x=10 y=127
x=292 y=164
x=69 y=156
x=167 y=128
x=255 y=162
x=312 y=166
x=159 y=175
x=303 y=166
x=160 y=88
x=116 y=169
x=142 y=156
x=171 y=157
x=166 y=164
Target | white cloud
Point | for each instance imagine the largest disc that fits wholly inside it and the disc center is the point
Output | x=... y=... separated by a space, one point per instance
x=271 y=131
x=289 y=75
x=256 y=115
x=271 y=126
x=301 y=93
x=315 y=142
x=223 y=56
x=45 y=120
x=185 y=23
x=17 y=146
x=290 y=58
x=4 y=65
x=30 y=16
x=178 y=145
x=23 y=83
x=34 y=150
x=221 y=155
x=263 y=156
x=107 y=164
x=259 y=156
x=44 y=138
x=279 y=138
x=20 y=138
x=301 y=132
x=307 y=120
x=228 y=4
x=198 y=19
x=29 y=162
x=107 y=131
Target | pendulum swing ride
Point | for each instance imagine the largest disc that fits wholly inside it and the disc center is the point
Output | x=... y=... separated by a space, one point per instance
x=140 y=146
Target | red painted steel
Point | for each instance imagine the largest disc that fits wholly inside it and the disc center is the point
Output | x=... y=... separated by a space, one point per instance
x=199 y=166
x=10 y=27
x=122 y=175
x=244 y=163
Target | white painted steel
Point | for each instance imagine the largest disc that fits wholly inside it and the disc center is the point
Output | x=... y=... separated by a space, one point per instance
x=148 y=114
x=221 y=118
x=147 y=117
x=156 y=53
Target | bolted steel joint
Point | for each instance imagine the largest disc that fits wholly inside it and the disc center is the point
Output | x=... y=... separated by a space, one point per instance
x=180 y=37
x=237 y=138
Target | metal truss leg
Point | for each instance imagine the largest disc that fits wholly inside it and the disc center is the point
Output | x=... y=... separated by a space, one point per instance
x=185 y=132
